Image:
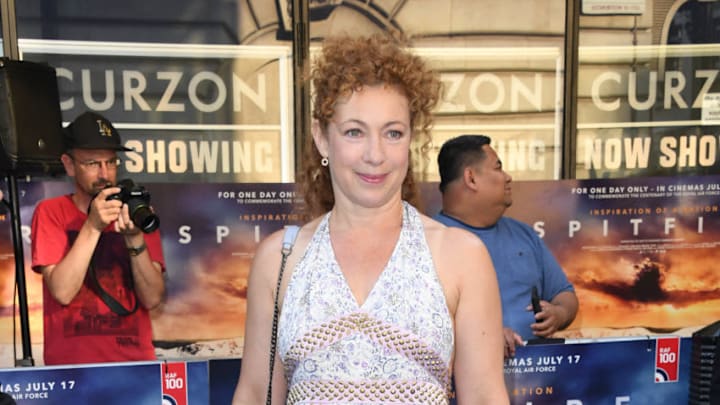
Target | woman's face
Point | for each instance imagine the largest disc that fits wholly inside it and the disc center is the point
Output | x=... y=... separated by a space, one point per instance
x=367 y=143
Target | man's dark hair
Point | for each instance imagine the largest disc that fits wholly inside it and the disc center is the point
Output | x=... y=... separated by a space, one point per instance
x=458 y=153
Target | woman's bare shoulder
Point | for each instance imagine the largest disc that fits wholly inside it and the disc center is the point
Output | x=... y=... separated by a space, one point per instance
x=269 y=250
x=459 y=257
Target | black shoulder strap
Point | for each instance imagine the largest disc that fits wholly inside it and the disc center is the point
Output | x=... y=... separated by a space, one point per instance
x=111 y=302
x=288 y=242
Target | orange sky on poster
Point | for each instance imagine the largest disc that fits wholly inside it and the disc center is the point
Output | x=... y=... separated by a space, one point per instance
x=34 y=302
x=673 y=287
x=214 y=308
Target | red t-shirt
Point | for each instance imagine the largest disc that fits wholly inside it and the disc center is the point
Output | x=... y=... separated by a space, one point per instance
x=87 y=330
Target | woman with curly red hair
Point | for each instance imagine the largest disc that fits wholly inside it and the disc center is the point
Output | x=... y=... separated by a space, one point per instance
x=379 y=303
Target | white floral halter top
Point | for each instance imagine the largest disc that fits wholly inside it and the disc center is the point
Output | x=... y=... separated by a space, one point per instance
x=395 y=348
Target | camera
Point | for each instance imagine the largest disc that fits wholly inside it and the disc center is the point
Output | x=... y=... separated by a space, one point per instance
x=138 y=202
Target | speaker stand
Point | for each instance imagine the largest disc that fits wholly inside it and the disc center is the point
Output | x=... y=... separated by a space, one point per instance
x=27 y=359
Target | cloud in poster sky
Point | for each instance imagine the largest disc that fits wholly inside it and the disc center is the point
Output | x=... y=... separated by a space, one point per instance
x=677 y=269
x=207 y=298
x=665 y=282
x=214 y=307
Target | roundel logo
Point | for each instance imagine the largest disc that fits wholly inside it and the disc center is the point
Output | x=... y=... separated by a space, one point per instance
x=168 y=400
x=661 y=375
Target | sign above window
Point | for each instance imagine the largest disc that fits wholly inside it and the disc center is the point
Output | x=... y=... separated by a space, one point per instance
x=613 y=7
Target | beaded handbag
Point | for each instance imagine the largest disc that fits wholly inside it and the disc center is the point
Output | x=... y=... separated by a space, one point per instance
x=288 y=242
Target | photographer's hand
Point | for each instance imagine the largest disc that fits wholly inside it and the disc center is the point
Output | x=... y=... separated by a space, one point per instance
x=102 y=211
x=124 y=224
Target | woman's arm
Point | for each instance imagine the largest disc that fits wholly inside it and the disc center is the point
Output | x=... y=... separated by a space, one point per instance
x=252 y=384
x=479 y=352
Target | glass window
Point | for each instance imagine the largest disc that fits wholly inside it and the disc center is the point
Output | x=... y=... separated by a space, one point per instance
x=500 y=80
x=194 y=104
x=167 y=21
x=649 y=93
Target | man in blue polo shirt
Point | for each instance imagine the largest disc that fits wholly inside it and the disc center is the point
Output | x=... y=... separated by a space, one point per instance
x=475 y=194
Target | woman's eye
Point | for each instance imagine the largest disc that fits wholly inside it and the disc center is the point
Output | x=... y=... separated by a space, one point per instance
x=395 y=134
x=353 y=133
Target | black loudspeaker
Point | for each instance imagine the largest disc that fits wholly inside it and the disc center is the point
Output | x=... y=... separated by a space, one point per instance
x=705 y=366
x=31 y=140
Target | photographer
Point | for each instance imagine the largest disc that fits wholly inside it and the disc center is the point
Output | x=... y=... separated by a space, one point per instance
x=102 y=274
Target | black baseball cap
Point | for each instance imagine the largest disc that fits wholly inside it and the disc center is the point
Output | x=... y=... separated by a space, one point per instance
x=91 y=130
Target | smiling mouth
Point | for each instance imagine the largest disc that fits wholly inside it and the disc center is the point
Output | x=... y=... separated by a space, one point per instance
x=370 y=178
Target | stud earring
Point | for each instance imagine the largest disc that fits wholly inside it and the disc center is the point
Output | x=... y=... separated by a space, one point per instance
x=324 y=162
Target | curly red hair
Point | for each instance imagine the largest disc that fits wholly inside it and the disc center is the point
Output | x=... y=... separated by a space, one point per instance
x=347 y=64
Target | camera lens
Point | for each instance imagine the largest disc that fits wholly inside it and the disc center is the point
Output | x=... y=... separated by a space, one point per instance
x=138 y=202
x=143 y=217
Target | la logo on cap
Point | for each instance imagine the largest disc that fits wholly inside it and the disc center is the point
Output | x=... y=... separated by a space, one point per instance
x=103 y=128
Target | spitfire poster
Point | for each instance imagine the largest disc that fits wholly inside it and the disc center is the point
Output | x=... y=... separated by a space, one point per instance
x=642 y=253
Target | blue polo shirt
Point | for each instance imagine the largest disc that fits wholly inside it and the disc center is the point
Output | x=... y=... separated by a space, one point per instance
x=521 y=261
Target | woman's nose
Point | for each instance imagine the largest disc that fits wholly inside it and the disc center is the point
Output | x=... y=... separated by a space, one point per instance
x=374 y=150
